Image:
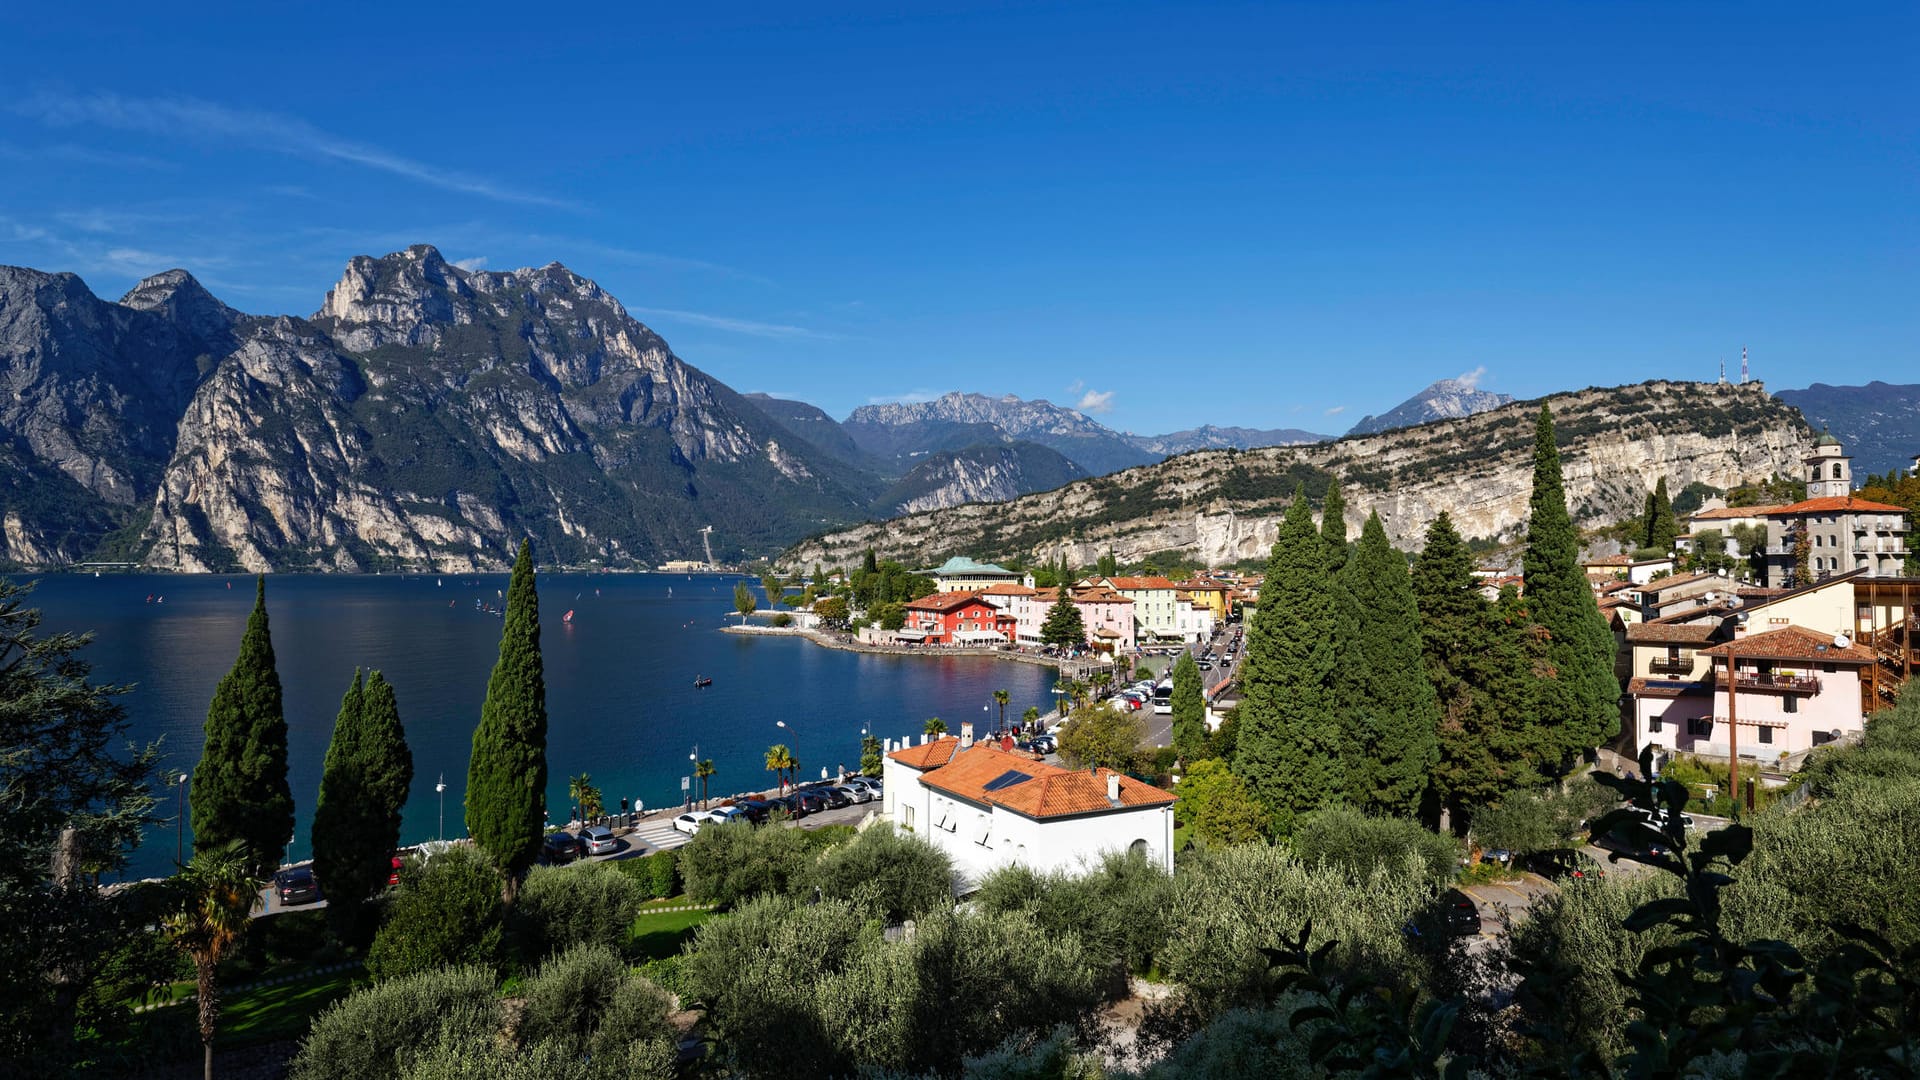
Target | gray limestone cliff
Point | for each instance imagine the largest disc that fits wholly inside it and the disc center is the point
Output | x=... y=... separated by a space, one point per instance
x=1221 y=507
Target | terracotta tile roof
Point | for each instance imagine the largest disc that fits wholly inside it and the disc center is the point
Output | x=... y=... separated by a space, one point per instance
x=1005 y=588
x=1643 y=687
x=1793 y=643
x=1727 y=513
x=1140 y=583
x=1046 y=791
x=1618 y=586
x=1095 y=595
x=1666 y=583
x=929 y=755
x=1198 y=585
x=1609 y=560
x=1671 y=633
x=944 y=602
x=1835 y=504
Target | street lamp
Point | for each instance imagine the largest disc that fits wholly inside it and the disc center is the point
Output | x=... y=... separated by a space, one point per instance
x=179 y=815
x=440 y=789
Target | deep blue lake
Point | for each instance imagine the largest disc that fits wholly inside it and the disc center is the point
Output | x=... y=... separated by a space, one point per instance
x=621 y=703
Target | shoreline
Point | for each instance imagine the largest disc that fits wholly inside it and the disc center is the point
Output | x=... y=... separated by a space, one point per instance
x=828 y=641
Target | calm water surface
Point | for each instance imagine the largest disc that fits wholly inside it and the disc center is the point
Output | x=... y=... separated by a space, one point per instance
x=621 y=703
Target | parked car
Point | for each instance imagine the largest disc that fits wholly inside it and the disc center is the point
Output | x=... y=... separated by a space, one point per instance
x=561 y=848
x=754 y=810
x=874 y=785
x=1204 y=665
x=1562 y=863
x=599 y=840
x=867 y=786
x=690 y=823
x=813 y=802
x=725 y=815
x=296 y=885
x=1462 y=914
x=854 y=794
x=789 y=805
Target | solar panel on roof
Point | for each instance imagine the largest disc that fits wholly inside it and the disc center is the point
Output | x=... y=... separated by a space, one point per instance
x=1006 y=780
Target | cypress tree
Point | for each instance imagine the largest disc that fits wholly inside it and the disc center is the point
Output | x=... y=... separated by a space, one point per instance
x=1391 y=717
x=1333 y=527
x=507 y=776
x=1288 y=747
x=1189 y=711
x=240 y=786
x=1661 y=529
x=1646 y=524
x=1469 y=655
x=1577 y=696
x=356 y=823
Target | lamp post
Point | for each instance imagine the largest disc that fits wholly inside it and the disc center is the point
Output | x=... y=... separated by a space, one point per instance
x=695 y=759
x=179 y=815
x=440 y=789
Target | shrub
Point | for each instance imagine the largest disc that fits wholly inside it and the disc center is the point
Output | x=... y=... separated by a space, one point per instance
x=445 y=912
x=1574 y=940
x=1229 y=903
x=486 y=1058
x=1118 y=911
x=663 y=874
x=730 y=864
x=1359 y=843
x=888 y=875
x=781 y=619
x=586 y=1001
x=563 y=906
x=377 y=1032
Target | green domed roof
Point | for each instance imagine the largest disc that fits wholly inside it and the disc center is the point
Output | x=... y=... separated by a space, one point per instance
x=1826 y=439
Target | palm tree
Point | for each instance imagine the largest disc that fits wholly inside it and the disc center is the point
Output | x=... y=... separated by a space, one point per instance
x=779 y=761
x=936 y=727
x=585 y=796
x=214 y=895
x=1000 y=698
x=1101 y=679
x=1031 y=716
x=704 y=770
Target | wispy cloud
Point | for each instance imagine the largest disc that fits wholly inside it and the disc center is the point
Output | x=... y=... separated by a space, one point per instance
x=478 y=262
x=1336 y=410
x=911 y=397
x=780 y=331
x=193 y=118
x=71 y=154
x=1471 y=379
x=1096 y=402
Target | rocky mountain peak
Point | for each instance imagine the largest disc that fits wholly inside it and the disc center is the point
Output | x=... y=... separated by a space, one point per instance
x=180 y=298
x=1446 y=399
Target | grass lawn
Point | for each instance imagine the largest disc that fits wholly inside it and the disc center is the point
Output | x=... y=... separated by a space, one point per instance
x=283 y=1011
x=656 y=937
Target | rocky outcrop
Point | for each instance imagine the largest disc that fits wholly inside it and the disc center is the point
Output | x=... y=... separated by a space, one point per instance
x=1221 y=507
x=1448 y=399
x=1209 y=437
x=980 y=474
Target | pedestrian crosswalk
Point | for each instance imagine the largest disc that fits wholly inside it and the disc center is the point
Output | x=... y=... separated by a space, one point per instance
x=658 y=835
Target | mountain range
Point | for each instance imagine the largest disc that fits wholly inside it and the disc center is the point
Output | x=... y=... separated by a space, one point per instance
x=429 y=417
x=1879 y=423
x=1447 y=399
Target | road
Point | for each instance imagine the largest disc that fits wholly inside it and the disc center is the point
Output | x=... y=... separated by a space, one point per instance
x=1159 y=727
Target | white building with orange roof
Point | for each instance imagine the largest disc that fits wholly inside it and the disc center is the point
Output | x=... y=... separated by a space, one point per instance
x=1155 y=603
x=987 y=808
x=1106 y=615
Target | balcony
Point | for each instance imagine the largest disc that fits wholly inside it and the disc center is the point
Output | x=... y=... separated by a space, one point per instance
x=1791 y=684
x=1672 y=665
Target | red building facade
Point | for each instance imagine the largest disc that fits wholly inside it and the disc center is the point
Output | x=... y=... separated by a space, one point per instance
x=957 y=618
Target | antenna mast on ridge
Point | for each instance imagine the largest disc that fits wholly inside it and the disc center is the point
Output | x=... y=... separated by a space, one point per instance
x=1723 y=371
x=1743 y=365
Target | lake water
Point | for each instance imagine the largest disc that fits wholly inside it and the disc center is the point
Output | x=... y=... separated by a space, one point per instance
x=621 y=703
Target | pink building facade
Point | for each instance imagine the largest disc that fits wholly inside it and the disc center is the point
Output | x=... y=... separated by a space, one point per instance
x=1793 y=690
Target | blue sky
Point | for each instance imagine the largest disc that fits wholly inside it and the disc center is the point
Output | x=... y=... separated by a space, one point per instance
x=1261 y=215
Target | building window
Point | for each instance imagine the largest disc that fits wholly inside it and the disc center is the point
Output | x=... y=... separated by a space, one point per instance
x=1653 y=725
x=1766 y=734
x=906 y=815
x=1836 y=470
x=1701 y=728
x=1790 y=704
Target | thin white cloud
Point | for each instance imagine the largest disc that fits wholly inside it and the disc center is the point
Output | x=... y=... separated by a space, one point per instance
x=778 y=331
x=1096 y=402
x=190 y=117
x=1471 y=379
x=1076 y=386
x=911 y=397
x=70 y=154
x=1336 y=410
x=478 y=262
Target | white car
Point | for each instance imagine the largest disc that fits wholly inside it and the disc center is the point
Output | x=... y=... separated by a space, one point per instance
x=690 y=823
x=725 y=814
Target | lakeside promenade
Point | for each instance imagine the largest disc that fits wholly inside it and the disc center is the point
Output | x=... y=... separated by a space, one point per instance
x=1068 y=668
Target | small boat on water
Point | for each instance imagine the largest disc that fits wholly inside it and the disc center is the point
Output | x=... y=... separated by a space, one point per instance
x=702 y=681
x=568 y=617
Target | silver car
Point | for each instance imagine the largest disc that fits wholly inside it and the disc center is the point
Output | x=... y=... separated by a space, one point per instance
x=855 y=791
x=599 y=840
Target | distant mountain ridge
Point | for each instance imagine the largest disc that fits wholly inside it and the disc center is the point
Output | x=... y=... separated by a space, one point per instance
x=1093 y=446
x=1879 y=423
x=1209 y=437
x=1447 y=399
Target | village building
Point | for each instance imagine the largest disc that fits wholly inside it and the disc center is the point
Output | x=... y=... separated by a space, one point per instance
x=1831 y=531
x=956 y=618
x=987 y=808
x=1106 y=616
x=961 y=574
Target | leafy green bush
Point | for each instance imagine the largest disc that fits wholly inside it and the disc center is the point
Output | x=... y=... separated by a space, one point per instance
x=663 y=874
x=1577 y=934
x=377 y=1032
x=889 y=875
x=587 y=1001
x=487 y=1058
x=563 y=906
x=445 y=912
x=730 y=864
x=1229 y=903
x=1360 y=843
x=1118 y=911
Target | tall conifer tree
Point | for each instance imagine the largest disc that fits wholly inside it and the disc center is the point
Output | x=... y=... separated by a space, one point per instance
x=356 y=823
x=1577 y=696
x=1333 y=527
x=507 y=776
x=1470 y=658
x=240 y=787
x=1391 y=718
x=1661 y=528
x=1288 y=746
x=1189 y=710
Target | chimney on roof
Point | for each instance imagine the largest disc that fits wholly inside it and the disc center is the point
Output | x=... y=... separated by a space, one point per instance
x=966 y=734
x=923 y=740
x=1113 y=788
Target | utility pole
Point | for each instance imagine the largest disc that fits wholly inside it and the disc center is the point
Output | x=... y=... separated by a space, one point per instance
x=1733 y=731
x=440 y=789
